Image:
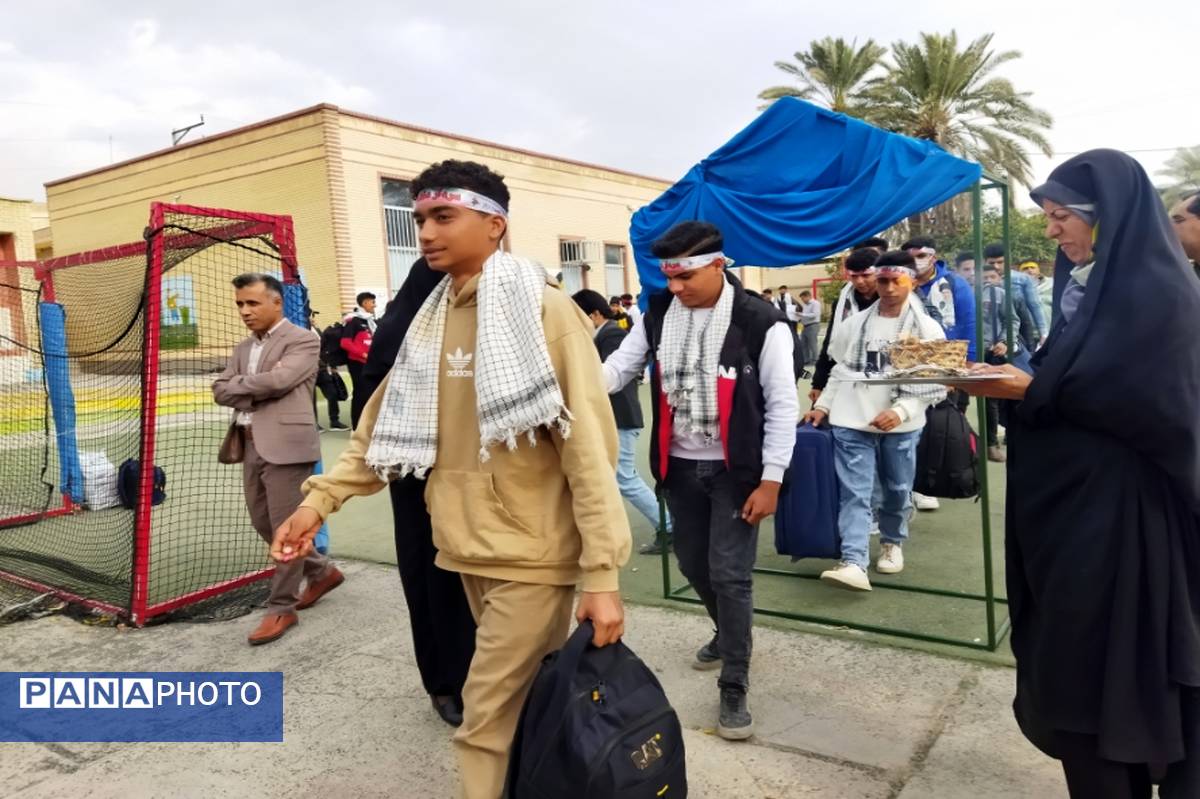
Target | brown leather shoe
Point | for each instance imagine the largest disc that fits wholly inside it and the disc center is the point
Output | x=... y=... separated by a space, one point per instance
x=320 y=588
x=273 y=626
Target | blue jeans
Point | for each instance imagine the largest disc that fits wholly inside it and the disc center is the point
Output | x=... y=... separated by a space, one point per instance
x=859 y=457
x=632 y=486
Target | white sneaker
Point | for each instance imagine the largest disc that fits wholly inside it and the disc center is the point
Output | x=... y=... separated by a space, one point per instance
x=891 y=559
x=922 y=502
x=847 y=575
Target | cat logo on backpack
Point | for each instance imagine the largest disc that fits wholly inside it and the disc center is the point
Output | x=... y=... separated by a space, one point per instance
x=650 y=753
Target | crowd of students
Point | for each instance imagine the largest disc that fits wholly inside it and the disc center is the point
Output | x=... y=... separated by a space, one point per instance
x=508 y=439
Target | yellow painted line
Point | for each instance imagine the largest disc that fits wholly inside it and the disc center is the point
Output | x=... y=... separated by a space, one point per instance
x=24 y=417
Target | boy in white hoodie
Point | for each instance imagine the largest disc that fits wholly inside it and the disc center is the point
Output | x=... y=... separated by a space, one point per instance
x=875 y=427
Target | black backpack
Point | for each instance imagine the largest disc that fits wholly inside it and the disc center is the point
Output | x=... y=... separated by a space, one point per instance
x=129 y=479
x=331 y=345
x=596 y=725
x=947 y=455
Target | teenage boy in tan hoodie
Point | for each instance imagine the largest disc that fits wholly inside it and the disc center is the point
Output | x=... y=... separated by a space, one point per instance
x=508 y=415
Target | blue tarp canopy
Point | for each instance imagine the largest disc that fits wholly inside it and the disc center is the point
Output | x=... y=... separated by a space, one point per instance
x=799 y=183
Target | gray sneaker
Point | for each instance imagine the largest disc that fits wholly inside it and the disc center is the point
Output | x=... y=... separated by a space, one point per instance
x=708 y=658
x=735 y=723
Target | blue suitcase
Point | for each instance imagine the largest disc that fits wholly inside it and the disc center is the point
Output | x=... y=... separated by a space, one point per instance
x=806 y=519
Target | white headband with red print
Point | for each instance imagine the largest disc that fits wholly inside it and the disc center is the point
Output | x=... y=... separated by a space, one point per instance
x=463 y=198
x=677 y=266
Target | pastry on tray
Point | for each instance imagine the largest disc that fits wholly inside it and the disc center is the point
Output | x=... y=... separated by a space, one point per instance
x=915 y=358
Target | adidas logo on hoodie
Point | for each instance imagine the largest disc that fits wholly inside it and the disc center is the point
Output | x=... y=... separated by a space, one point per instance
x=459 y=363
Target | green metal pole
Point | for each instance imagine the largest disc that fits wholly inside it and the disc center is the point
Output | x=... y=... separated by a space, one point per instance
x=985 y=505
x=660 y=535
x=828 y=621
x=1008 y=267
x=915 y=589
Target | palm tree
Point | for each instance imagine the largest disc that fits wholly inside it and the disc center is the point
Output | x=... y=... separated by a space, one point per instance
x=1182 y=171
x=832 y=72
x=949 y=96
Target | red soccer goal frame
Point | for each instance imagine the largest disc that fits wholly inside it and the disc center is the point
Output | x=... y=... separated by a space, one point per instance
x=245 y=224
x=242 y=224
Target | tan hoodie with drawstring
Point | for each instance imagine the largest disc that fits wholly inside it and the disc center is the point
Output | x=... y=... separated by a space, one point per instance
x=550 y=513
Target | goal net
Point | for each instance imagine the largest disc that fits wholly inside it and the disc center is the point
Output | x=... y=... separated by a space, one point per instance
x=112 y=494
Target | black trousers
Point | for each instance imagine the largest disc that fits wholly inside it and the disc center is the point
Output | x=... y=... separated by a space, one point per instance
x=326 y=386
x=993 y=422
x=443 y=629
x=992 y=406
x=716 y=551
x=1090 y=777
x=358 y=394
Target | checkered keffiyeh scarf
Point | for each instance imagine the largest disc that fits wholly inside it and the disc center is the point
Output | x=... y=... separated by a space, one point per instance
x=690 y=361
x=910 y=325
x=516 y=390
x=845 y=307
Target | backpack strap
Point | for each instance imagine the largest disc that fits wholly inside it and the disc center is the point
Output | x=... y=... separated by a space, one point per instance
x=568 y=661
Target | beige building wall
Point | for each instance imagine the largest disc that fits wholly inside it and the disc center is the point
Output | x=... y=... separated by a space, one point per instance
x=43 y=244
x=796 y=278
x=324 y=166
x=16 y=221
x=17 y=307
x=551 y=198
x=277 y=168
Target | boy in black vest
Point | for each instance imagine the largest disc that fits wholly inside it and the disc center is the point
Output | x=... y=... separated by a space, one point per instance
x=725 y=412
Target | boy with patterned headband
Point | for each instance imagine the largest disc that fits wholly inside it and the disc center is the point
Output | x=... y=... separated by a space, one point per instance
x=875 y=427
x=505 y=414
x=723 y=379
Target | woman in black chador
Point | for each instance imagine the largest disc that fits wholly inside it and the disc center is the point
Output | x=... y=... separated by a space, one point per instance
x=1103 y=511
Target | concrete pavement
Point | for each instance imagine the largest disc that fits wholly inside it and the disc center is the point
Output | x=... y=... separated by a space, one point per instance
x=835 y=718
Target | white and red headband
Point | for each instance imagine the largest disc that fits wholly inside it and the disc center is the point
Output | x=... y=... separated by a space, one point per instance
x=677 y=266
x=463 y=198
x=894 y=271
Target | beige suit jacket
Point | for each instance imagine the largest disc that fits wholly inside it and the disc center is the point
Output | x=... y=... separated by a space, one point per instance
x=279 y=394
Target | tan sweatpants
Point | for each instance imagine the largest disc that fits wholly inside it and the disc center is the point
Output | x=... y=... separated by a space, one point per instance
x=518 y=625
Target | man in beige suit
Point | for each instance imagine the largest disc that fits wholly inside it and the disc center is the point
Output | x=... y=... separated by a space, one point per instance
x=269 y=384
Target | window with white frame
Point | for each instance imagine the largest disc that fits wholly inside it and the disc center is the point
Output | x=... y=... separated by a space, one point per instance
x=402 y=245
x=573 y=256
x=614 y=269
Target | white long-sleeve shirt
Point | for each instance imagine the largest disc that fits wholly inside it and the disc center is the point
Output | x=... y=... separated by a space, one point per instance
x=810 y=312
x=848 y=400
x=775 y=373
x=245 y=418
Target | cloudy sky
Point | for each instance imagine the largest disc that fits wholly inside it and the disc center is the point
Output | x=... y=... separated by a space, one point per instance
x=648 y=87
